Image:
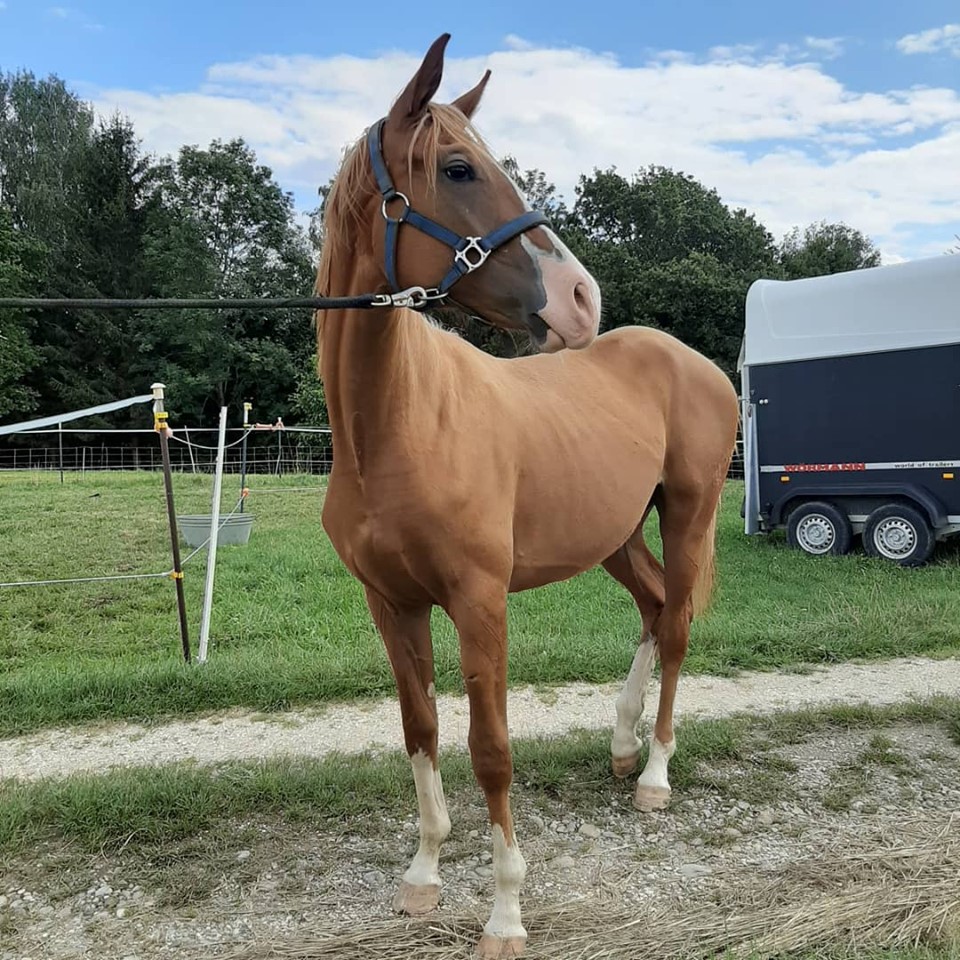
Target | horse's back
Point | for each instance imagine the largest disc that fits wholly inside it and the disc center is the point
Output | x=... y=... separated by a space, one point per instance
x=634 y=350
x=642 y=371
x=637 y=403
x=696 y=399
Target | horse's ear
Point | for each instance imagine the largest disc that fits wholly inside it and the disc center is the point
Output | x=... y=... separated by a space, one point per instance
x=409 y=107
x=469 y=101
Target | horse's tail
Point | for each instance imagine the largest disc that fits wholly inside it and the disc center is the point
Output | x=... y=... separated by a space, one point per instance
x=706 y=567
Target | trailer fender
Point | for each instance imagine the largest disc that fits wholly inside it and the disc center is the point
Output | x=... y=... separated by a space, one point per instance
x=926 y=501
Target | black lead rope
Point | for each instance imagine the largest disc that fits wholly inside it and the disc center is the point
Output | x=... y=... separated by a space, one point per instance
x=405 y=298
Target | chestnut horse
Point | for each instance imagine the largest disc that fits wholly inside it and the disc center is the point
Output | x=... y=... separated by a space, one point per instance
x=459 y=478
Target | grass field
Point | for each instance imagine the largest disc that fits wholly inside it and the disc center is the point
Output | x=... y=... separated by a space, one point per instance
x=290 y=627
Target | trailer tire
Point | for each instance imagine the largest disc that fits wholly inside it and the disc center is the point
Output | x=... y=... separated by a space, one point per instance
x=900 y=533
x=820 y=529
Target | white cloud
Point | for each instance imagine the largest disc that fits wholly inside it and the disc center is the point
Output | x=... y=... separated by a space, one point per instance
x=829 y=47
x=781 y=137
x=737 y=51
x=517 y=43
x=71 y=15
x=946 y=38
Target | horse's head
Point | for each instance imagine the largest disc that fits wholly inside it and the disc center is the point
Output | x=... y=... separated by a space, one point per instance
x=447 y=217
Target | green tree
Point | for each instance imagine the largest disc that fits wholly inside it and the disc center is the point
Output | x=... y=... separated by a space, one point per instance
x=220 y=226
x=540 y=192
x=661 y=215
x=44 y=134
x=315 y=218
x=824 y=248
x=699 y=299
x=669 y=253
x=76 y=189
x=20 y=260
x=90 y=356
x=309 y=403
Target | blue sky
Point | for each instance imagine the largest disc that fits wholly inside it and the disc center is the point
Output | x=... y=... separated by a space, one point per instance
x=806 y=111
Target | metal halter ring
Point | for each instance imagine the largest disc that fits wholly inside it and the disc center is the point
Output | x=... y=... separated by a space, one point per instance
x=396 y=195
x=472 y=246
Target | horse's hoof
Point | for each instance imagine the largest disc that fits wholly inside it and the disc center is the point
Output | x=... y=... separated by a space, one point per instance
x=648 y=798
x=500 y=948
x=416 y=900
x=624 y=766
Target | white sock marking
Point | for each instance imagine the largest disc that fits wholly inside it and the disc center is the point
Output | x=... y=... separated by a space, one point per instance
x=655 y=772
x=509 y=871
x=630 y=702
x=434 y=822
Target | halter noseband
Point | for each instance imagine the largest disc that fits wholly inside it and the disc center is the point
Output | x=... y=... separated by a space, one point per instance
x=470 y=253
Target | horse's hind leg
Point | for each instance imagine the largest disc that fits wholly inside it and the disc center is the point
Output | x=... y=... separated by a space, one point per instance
x=640 y=572
x=406 y=635
x=687 y=524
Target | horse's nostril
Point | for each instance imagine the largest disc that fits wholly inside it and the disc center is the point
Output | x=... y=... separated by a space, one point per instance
x=580 y=298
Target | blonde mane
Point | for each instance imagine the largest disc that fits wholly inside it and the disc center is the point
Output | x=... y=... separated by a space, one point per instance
x=354 y=186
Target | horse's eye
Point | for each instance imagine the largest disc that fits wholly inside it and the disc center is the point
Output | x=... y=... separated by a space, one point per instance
x=459 y=171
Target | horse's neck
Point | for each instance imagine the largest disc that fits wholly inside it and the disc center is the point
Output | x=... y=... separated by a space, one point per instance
x=379 y=368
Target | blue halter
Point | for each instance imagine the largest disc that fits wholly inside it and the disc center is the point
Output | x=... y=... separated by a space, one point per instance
x=470 y=253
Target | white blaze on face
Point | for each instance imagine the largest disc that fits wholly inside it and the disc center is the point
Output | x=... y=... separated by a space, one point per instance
x=572 y=310
x=509 y=871
x=434 y=822
x=573 y=305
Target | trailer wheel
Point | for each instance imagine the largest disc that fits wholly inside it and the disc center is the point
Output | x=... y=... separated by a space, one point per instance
x=820 y=529
x=900 y=533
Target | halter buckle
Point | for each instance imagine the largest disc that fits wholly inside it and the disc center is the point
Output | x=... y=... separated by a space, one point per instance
x=472 y=255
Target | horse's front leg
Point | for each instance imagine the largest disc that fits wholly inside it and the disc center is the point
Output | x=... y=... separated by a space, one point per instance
x=406 y=635
x=480 y=616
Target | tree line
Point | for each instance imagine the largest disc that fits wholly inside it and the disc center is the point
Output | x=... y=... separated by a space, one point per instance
x=85 y=212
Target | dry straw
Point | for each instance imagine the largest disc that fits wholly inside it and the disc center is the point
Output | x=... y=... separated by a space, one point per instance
x=899 y=886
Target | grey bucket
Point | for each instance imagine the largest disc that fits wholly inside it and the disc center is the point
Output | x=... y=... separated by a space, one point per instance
x=233 y=531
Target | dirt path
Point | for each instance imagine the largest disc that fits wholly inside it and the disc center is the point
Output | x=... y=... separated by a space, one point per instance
x=790 y=827
x=546 y=712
